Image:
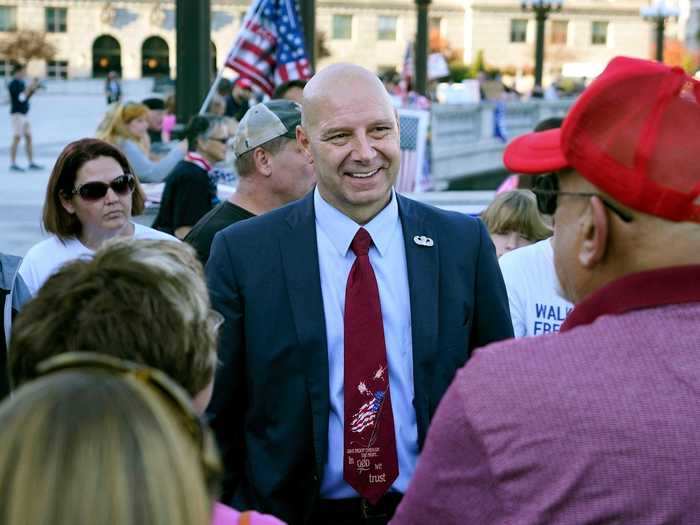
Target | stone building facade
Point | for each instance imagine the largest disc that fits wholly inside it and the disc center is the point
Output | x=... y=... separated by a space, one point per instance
x=137 y=37
x=579 y=40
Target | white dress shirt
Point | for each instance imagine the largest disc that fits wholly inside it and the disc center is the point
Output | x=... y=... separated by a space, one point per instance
x=334 y=233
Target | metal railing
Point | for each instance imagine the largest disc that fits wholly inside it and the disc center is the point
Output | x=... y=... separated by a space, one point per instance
x=463 y=142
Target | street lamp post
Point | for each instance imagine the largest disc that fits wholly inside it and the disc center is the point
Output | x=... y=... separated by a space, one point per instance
x=541 y=8
x=421 y=49
x=192 y=37
x=658 y=13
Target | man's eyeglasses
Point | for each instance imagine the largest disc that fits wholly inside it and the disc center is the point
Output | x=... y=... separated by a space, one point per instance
x=546 y=189
x=93 y=191
x=167 y=390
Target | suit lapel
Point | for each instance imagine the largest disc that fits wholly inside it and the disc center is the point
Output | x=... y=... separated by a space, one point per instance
x=422 y=263
x=301 y=270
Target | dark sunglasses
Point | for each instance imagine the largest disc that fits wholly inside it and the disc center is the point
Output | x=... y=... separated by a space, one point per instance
x=167 y=390
x=546 y=190
x=92 y=191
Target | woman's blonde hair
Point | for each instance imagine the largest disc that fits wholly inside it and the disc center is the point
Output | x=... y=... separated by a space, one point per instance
x=516 y=211
x=114 y=126
x=87 y=447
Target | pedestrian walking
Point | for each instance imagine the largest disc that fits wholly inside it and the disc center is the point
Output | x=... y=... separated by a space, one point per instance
x=113 y=88
x=20 y=93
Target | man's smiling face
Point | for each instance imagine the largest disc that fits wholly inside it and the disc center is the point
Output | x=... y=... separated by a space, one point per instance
x=353 y=136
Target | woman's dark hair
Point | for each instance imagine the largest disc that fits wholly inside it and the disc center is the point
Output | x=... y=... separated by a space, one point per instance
x=56 y=219
x=199 y=127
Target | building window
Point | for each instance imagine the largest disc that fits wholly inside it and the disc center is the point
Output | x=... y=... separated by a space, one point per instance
x=8 y=18
x=559 y=33
x=57 y=69
x=155 y=57
x=518 y=30
x=386 y=28
x=599 y=33
x=56 y=19
x=342 y=27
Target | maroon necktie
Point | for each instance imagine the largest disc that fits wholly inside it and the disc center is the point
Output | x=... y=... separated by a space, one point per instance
x=370 y=464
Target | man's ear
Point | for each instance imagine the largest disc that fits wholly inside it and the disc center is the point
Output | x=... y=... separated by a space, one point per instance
x=304 y=143
x=595 y=234
x=66 y=203
x=263 y=161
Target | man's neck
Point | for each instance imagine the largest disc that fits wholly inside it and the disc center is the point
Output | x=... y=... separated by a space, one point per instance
x=255 y=201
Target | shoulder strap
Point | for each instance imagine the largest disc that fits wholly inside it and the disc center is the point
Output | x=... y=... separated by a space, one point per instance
x=244 y=518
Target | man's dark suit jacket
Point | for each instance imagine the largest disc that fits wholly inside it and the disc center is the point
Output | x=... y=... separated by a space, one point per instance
x=271 y=397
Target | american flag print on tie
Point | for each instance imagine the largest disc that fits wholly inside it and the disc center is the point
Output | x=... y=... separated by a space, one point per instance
x=368 y=413
x=270 y=49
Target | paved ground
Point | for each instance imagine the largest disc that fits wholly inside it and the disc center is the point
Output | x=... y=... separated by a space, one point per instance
x=56 y=120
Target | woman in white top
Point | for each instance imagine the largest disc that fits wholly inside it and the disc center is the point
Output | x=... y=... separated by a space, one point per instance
x=90 y=198
x=126 y=127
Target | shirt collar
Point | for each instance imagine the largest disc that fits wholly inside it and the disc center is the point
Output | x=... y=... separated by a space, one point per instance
x=341 y=229
x=196 y=158
x=664 y=286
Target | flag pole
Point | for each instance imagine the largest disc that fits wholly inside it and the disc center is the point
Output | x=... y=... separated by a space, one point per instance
x=212 y=90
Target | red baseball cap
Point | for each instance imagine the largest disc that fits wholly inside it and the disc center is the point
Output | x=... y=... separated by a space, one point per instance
x=244 y=83
x=634 y=133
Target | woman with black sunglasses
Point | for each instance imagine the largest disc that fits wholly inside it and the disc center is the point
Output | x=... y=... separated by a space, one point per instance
x=90 y=198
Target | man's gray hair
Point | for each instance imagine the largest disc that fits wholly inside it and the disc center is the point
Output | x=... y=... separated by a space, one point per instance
x=201 y=127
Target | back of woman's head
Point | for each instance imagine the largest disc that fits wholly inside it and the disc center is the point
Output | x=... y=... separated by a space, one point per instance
x=516 y=211
x=83 y=446
x=141 y=300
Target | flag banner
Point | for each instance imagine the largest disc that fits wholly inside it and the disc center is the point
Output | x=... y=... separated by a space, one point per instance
x=269 y=49
x=414 y=131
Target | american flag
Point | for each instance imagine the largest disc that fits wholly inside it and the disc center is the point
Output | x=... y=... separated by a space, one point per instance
x=409 y=169
x=365 y=417
x=269 y=49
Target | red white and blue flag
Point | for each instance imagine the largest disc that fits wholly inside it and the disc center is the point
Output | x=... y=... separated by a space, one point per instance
x=269 y=49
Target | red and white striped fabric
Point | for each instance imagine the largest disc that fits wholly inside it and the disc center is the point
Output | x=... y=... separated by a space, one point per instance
x=408 y=172
x=269 y=50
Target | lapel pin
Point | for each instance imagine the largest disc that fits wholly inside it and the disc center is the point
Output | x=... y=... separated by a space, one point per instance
x=422 y=240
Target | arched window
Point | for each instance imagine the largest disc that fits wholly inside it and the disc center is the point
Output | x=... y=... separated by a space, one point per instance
x=155 y=57
x=106 y=56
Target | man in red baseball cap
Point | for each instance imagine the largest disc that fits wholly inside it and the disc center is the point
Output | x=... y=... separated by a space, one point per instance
x=599 y=423
x=241 y=95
